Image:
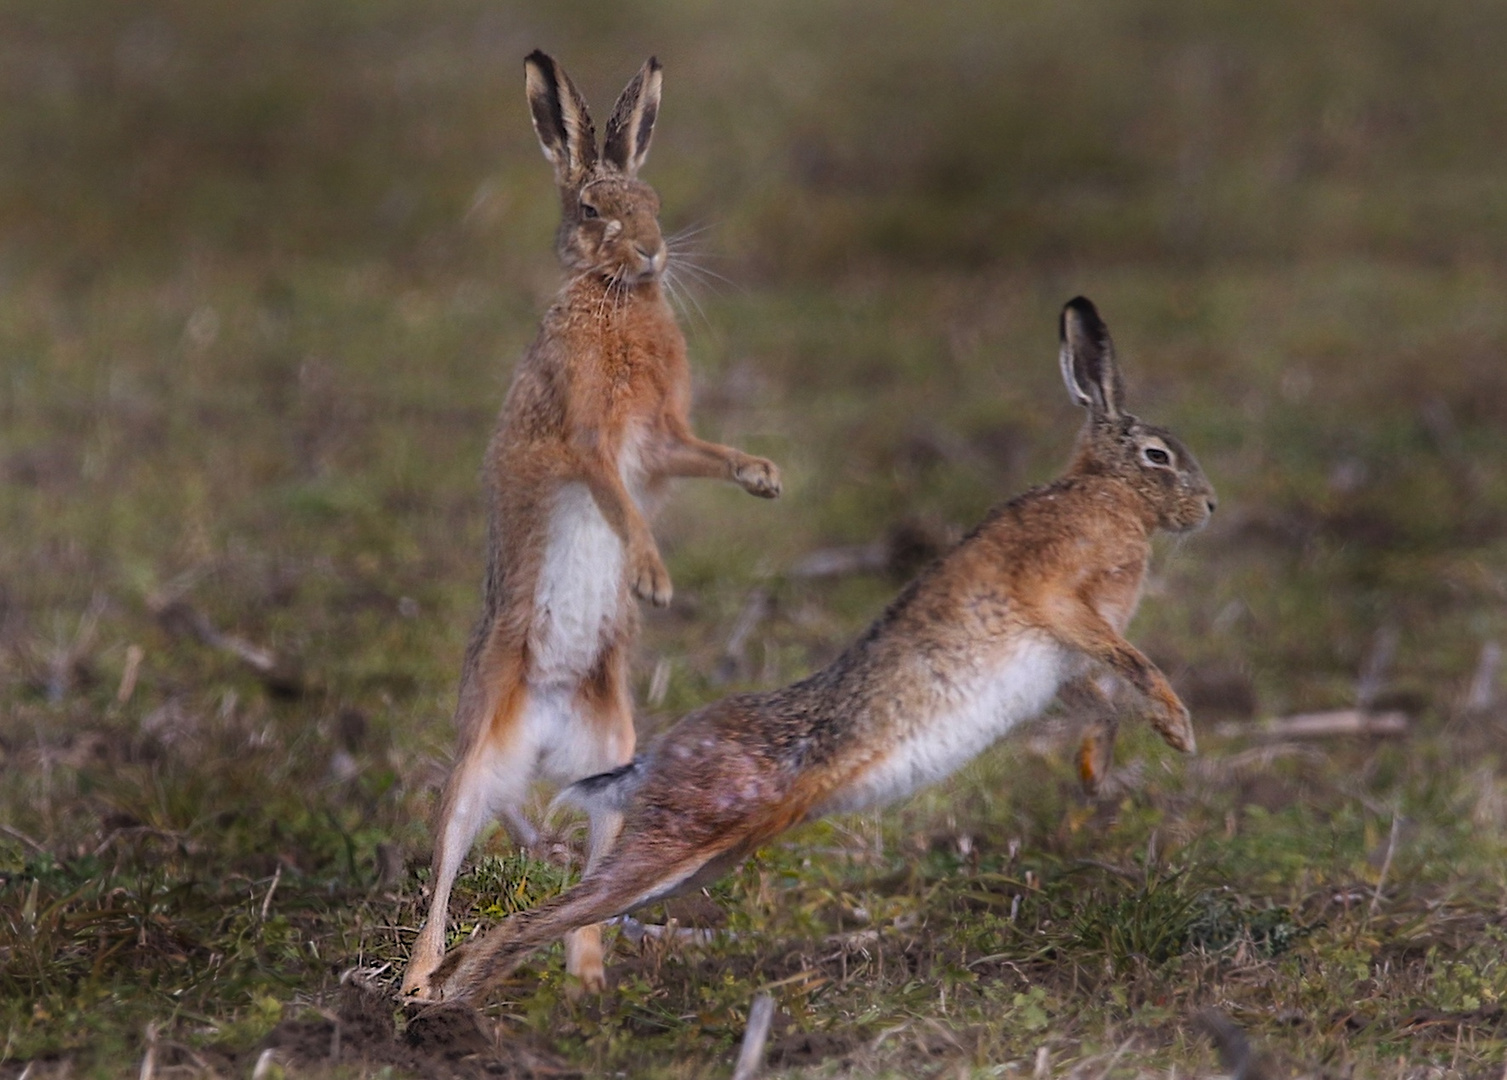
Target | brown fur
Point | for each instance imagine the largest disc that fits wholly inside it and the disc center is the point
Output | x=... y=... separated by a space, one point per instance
x=598 y=411
x=1037 y=597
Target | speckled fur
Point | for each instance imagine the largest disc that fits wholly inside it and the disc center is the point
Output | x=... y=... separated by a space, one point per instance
x=1034 y=599
x=595 y=422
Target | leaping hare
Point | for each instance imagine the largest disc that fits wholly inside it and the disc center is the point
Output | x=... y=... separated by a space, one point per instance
x=594 y=423
x=1036 y=597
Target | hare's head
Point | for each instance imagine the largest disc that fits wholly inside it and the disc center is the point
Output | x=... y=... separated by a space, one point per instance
x=1150 y=460
x=609 y=219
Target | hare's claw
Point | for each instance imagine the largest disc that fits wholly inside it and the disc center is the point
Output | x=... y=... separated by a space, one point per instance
x=758 y=476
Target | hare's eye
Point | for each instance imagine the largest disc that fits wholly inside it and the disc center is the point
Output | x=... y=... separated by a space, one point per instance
x=588 y=211
x=1157 y=456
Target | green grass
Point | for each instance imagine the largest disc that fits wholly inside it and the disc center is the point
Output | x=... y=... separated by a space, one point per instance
x=263 y=274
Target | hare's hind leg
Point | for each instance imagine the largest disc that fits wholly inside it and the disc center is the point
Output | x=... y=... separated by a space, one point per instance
x=638 y=870
x=490 y=778
x=604 y=705
x=1096 y=750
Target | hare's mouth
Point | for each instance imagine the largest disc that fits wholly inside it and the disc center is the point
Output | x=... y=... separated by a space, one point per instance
x=648 y=262
x=1198 y=515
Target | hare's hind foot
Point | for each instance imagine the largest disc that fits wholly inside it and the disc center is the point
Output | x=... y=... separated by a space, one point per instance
x=758 y=476
x=585 y=960
x=418 y=978
x=1096 y=756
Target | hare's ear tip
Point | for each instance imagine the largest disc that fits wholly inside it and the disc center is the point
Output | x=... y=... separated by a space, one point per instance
x=653 y=64
x=1079 y=313
x=539 y=58
x=1082 y=307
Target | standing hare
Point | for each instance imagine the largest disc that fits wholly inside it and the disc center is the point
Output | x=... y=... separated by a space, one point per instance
x=594 y=423
x=1036 y=597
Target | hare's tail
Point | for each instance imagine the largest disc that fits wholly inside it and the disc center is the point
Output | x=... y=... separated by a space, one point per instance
x=609 y=791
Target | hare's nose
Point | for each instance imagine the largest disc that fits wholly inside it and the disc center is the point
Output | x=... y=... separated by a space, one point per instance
x=1212 y=503
x=655 y=258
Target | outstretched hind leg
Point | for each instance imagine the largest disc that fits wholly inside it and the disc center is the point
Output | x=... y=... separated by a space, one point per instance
x=640 y=869
x=491 y=778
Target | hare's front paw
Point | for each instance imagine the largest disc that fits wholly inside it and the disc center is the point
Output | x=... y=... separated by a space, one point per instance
x=651 y=581
x=1174 y=724
x=758 y=476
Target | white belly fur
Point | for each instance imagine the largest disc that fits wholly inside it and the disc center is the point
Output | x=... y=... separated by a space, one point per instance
x=579 y=589
x=967 y=721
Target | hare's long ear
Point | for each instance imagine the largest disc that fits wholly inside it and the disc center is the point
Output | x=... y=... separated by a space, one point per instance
x=560 y=119
x=632 y=123
x=1088 y=360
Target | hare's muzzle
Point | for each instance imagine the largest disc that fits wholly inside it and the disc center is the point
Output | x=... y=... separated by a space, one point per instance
x=652 y=260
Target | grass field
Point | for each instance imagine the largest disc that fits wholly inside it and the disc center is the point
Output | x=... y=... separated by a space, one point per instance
x=264 y=272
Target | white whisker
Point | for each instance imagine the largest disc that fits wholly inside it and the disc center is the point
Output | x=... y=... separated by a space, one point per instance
x=707 y=277
x=682 y=297
x=693 y=229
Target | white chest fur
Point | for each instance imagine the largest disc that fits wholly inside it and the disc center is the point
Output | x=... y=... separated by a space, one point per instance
x=964 y=721
x=580 y=585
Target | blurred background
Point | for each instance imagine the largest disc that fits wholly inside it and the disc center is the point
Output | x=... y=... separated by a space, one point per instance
x=265 y=269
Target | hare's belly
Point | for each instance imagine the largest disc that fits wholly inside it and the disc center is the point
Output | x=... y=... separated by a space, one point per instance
x=966 y=721
x=579 y=592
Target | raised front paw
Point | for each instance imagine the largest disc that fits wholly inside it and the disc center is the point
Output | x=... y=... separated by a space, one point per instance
x=758 y=476
x=1173 y=723
x=651 y=581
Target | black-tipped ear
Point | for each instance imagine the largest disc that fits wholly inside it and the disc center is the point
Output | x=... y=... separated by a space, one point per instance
x=632 y=123
x=560 y=119
x=1088 y=360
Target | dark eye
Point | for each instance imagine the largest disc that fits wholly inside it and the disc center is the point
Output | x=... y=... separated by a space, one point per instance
x=1157 y=456
x=588 y=211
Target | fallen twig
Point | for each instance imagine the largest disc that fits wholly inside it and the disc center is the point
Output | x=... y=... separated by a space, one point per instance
x=1377 y=665
x=66 y=659
x=277 y=876
x=11 y=830
x=1321 y=725
x=636 y=932
x=908 y=545
x=754 y=611
x=266 y=1061
x=1386 y=862
x=843 y=561
x=180 y=617
x=134 y=655
x=1482 y=693
x=149 y=1060
x=751 y=1054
